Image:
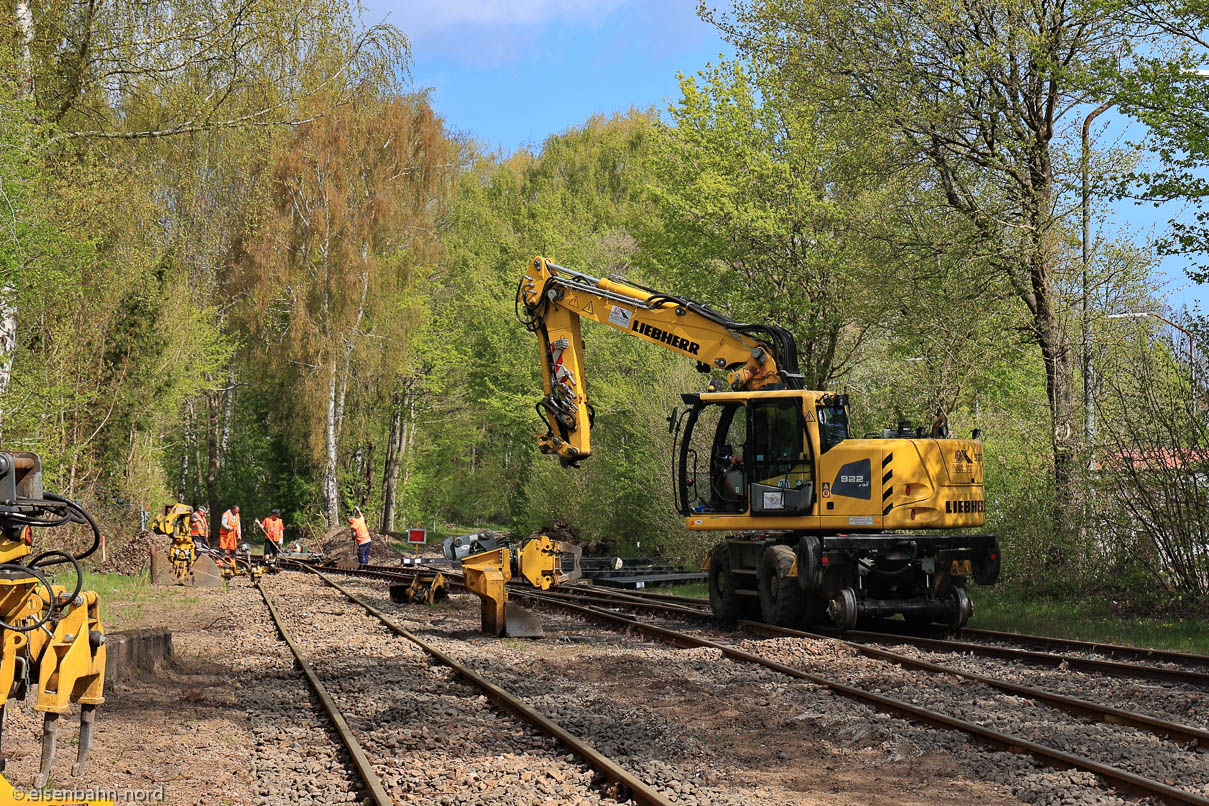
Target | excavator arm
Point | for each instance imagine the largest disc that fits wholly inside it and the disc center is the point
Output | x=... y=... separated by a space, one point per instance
x=554 y=299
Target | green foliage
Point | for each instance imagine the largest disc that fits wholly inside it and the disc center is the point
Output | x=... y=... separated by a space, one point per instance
x=1161 y=85
x=267 y=275
x=754 y=218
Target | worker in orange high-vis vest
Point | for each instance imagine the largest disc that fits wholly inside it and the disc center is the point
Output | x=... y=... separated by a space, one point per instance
x=199 y=526
x=274 y=532
x=360 y=532
x=230 y=533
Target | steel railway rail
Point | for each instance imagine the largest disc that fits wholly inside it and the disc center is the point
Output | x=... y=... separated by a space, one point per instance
x=373 y=784
x=1198 y=677
x=627 y=785
x=1049 y=756
x=1071 y=645
x=1185 y=734
x=584 y=602
x=691 y=607
x=1035 y=642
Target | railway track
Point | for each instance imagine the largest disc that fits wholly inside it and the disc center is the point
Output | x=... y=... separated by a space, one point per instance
x=618 y=783
x=1037 y=650
x=1164 y=728
x=1035 y=642
x=374 y=788
x=601 y=606
x=1051 y=756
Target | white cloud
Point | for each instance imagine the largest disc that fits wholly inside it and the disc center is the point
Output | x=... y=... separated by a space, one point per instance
x=420 y=19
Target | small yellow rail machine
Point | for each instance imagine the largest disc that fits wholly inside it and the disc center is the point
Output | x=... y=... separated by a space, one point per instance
x=52 y=641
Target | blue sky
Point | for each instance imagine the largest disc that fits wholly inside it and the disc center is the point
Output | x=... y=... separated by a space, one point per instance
x=512 y=72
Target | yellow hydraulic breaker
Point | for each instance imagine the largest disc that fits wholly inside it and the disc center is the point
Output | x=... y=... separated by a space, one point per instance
x=174 y=522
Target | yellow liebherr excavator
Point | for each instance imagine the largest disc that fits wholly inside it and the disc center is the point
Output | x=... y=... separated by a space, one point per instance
x=823 y=525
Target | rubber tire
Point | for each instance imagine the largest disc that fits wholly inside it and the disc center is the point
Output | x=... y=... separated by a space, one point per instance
x=986 y=570
x=781 y=600
x=810 y=566
x=726 y=604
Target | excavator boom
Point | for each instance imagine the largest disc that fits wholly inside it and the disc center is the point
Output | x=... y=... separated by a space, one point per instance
x=555 y=298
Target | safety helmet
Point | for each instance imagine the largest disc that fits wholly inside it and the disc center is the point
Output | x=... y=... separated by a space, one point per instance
x=276 y=512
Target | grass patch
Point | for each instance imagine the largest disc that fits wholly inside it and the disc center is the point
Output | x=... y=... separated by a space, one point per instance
x=1089 y=619
x=698 y=590
x=130 y=601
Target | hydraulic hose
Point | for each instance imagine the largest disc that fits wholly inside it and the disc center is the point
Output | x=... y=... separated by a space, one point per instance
x=96 y=530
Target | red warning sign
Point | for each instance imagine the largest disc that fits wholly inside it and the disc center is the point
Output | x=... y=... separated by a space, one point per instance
x=417 y=536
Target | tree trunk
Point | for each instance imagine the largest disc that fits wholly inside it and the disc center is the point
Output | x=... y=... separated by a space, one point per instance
x=1055 y=347
x=182 y=488
x=396 y=443
x=25 y=25
x=330 y=491
x=367 y=489
x=337 y=394
x=213 y=439
x=228 y=415
x=195 y=490
x=411 y=436
x=8 y=308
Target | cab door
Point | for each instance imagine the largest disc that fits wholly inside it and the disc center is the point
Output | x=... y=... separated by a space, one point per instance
x=780 y=460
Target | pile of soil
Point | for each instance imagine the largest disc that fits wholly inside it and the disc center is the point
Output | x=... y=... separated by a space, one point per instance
x=337 y=544
x=132 y=558
x=559 y=531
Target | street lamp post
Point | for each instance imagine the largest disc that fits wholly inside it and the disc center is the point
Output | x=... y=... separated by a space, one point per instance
x=1089 y=386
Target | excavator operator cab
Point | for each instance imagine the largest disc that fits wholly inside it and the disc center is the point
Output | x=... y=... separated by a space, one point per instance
x=761 y=454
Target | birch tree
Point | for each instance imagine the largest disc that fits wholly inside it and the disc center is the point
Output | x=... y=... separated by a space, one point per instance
x=351 y=191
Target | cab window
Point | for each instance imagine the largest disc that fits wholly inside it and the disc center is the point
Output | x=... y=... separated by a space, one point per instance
x=833 y=426
x=781 y=453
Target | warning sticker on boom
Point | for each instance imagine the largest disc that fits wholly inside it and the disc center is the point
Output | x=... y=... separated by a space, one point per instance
x=619 y=316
